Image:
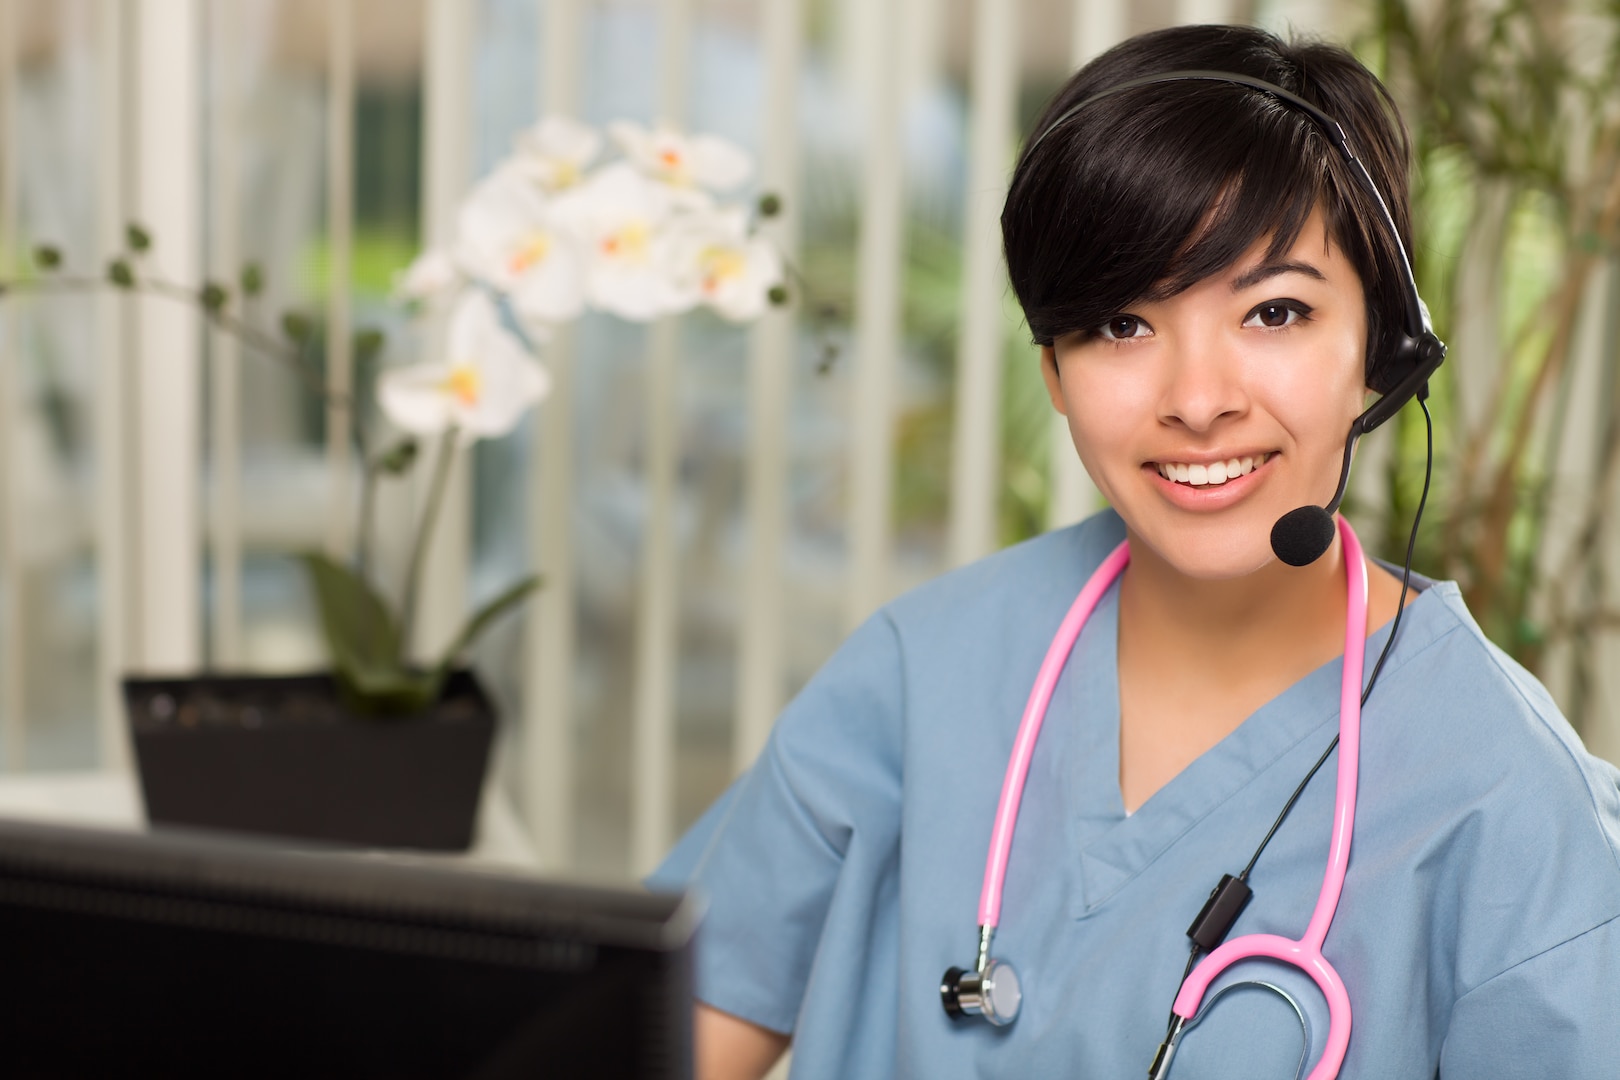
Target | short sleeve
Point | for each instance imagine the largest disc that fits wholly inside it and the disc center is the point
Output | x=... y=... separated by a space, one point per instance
x=1555 y=1014
x=812 y=827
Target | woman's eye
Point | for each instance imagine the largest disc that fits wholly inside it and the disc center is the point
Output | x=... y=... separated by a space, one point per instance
x=1122 y=328
x=1276 y=314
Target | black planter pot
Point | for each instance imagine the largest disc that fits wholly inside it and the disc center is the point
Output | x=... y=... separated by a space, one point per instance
x=281 y=755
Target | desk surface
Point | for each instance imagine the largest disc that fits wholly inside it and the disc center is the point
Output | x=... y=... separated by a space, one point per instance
x=112 y=800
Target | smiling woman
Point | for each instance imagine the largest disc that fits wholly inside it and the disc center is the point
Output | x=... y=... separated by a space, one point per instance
x=1263 y=362
x=1214 y=270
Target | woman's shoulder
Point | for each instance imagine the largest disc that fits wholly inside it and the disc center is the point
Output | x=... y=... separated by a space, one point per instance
x=1473 y=753
x=1485 y=701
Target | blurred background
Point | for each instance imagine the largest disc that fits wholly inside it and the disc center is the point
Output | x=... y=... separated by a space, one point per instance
x=713 y=506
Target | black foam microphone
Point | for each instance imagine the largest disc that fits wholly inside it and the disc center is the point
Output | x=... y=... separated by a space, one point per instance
x=1304 y=534
x=1301 y=536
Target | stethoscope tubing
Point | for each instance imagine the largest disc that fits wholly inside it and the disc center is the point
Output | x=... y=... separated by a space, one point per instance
x=1305 y=953
x=1029 y=730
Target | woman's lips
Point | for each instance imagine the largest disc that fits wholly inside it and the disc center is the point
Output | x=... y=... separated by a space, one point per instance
x=1209 y=496
x=1214 y=473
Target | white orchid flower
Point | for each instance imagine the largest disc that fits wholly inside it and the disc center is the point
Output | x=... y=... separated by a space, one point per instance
x=431 y=275
x=484 y=389
x=555 y=152
x=717 y=263
x=698 y=161
x=620 y=217
x=509 y=238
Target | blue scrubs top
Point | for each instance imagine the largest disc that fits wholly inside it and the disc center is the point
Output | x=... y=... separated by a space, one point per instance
x=1477 y=933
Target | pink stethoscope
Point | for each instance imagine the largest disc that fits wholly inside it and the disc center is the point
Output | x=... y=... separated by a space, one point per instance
x=992 y=989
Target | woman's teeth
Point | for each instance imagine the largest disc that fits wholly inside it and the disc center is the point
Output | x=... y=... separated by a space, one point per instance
x=1212 y=475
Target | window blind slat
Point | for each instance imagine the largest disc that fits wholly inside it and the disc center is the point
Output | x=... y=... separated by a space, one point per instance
x=550 y=644
x=878 y=272
x=976 y=456
x=113 y=509
x=12 y=668
x=652 y=789
x=168 y=407
x=771 y=368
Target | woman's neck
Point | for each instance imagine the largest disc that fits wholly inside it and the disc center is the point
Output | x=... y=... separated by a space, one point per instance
x=1276 y=617
x=1197 y=657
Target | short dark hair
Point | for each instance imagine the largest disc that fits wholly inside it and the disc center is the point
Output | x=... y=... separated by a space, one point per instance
x=1143 y=193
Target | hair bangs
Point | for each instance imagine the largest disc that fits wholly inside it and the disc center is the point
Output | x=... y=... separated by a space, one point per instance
x=1187 y=184
x=1269 y=196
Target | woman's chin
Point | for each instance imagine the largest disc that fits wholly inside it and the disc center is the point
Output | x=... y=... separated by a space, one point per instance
x=1208 y=553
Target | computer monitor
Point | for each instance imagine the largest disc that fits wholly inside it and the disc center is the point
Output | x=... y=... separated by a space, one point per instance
x=128 y=954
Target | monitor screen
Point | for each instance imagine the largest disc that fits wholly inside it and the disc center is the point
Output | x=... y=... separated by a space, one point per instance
x=178 y=956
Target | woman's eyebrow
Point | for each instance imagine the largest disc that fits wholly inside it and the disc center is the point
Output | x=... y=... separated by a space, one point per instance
x=1256 y=274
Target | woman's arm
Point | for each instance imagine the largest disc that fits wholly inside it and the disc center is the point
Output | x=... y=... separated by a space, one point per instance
x=730 y=1048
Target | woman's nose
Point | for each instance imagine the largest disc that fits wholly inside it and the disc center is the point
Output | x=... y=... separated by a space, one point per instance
x=1203 y=385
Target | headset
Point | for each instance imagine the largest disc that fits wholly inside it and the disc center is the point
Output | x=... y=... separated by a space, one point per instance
x=991 y=988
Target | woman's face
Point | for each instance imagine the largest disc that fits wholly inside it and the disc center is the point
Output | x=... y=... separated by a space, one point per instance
x=1206 y=417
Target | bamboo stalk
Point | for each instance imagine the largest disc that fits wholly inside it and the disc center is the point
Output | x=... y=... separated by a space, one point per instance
x=1500 y=507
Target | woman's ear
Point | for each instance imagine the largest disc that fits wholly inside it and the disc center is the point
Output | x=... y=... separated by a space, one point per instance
x=1049 y=373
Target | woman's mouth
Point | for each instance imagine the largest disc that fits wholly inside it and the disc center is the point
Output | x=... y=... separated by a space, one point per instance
x=1211 y=474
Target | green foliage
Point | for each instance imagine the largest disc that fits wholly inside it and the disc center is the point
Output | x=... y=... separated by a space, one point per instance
x=137 y=238
x=120 y=274
x=213 y=297
x=1516 y=141
x=368 y=345
x=365 y=642
x=47 y=257
x=375 y=259
x=770 y=204
x=252 y=280
x=361 y=632
x=397 y=459
x=483 y=619
x=778 y=295
x=298 y=327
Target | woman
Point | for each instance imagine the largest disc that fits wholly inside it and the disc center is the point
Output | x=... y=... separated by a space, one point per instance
x=1215 y=295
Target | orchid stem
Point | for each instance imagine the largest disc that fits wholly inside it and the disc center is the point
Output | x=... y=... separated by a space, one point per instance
x=424 y=531
x=368 y=514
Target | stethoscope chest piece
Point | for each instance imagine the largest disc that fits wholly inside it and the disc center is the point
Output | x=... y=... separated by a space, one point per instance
x=993 y=993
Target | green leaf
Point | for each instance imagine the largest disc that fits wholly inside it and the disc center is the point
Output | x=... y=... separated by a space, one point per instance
x=367 y=344
x=120 y=274
x=252 y=279
x=388 y=691
x=398 y=459
x=297 y=326
x=778 y=295
x=361 y=632
x=137 y=237
x=770 y=204
x=213 y=297
x=47 y=256
x=484 y=618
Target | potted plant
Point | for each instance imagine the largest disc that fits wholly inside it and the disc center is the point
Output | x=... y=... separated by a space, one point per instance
x=381 y=749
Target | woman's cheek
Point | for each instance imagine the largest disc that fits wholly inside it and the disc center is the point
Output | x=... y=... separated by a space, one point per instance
x=1106 y=421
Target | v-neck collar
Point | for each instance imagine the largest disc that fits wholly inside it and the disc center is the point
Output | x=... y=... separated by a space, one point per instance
x=1111 y=847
